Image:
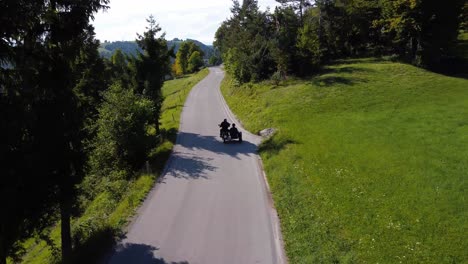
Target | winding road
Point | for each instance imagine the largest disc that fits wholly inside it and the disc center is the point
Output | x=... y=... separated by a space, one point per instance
x=212 y=204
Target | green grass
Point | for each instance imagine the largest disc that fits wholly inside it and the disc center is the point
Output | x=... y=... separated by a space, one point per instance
x=106 y=216
x=175 y=93
x=461 y=49
x=369 y=164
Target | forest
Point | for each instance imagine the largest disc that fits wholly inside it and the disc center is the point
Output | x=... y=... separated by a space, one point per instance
x=300 y=36
x=74 y=125
x=107 y=48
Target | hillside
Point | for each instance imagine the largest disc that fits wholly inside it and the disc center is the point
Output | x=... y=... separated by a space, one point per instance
x=130 y=47
x=369 y=163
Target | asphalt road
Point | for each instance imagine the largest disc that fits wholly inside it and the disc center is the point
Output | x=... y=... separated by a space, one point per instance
x=212 y=204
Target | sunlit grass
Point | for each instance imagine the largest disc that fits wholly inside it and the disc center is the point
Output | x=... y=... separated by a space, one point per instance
x=369 y=164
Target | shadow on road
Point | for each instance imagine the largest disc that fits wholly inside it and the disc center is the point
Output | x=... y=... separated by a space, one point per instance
x=188 y=166
x=138 y=254
x=193 y=141
x=186 y=163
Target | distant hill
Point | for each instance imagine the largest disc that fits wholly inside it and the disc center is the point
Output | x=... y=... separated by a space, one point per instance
x=130 y=47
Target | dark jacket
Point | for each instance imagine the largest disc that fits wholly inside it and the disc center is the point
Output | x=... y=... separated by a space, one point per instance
x=225 y=125
x=234 y=132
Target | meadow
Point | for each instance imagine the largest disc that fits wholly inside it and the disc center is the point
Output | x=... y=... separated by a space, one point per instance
x=369 y=163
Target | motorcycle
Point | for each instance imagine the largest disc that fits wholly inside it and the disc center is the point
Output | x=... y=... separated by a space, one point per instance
x=227 y=137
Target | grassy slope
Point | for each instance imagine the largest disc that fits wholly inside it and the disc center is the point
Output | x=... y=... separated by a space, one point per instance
x=461 y=49
x=105 y=216
x=369 y=164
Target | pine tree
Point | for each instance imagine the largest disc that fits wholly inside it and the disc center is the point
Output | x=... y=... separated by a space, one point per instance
x=45 y=51
x=152 y=66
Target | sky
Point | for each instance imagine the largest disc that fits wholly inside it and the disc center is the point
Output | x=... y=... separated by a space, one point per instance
x=194 y=19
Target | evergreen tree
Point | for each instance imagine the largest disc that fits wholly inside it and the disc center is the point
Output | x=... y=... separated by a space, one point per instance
x=152 y=66
x=299 y=5
x=423 y=31
x=245 y=42
x=47 y=92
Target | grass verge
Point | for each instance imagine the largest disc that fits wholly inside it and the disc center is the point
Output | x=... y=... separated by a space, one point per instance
x=106 y=216
x=369 y=164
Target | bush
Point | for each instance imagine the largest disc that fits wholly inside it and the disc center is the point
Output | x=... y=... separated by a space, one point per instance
x=276 y=78
x=122 y=141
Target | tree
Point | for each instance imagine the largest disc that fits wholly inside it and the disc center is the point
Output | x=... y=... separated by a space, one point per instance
x=423 y=31
x=152 y=66
x=215 y=59
x=195 y=62
x=309 y=47
x=287 y=25
x=244 y=42
x=182 y=57
x=177 y=69
x=122 y=142
x=299 y=5
x=464 y=17
x=193 y=47
x=46 y=84
x=182 y=63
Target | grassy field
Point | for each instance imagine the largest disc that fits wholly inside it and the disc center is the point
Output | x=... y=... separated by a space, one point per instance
x=369 y=164
x=461 y=50
x=105 y=216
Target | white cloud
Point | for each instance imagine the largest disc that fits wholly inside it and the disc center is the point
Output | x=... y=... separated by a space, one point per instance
x=178 y=18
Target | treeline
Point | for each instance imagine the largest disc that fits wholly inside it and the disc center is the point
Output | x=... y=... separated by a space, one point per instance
x=107 y=49
x=189 y=59
x=301 y=35
x=73 y=125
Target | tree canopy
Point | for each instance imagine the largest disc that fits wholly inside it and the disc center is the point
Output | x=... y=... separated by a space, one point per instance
x=69 y=118
x=189 y=58
x=299 y=36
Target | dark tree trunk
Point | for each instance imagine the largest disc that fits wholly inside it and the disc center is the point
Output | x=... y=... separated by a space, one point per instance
x=2 y=248
x=65 y=210
x=158 y=129
x=414 y=48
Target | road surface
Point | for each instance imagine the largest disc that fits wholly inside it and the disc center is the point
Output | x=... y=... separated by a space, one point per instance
x=212 y=204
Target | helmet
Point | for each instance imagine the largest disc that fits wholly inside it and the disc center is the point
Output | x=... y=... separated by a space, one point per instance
x=225 y=120
x=233 y=125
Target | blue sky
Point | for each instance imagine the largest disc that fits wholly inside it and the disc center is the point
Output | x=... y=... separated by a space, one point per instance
x=194 y=19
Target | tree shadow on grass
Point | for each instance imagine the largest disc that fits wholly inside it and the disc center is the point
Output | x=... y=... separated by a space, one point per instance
x=327 y=77
x=274 y=145
x=172 y=107
x=332 y=80
x=452 y=66
x=346 y=69
x=358 y=60
x=170 y=134
x=94 y=247
x=138 y=254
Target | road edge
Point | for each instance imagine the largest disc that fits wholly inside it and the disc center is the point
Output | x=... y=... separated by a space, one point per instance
x=159 y=179
x=274 y=217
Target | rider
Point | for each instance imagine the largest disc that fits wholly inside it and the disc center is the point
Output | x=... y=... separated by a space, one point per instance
x=233 y=131
x=224 y=127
